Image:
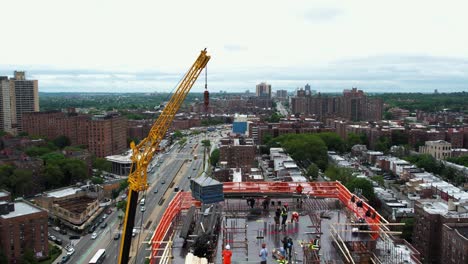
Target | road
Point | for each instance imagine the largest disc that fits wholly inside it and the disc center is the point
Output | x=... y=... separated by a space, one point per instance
x=283 y=111
x=176 y=167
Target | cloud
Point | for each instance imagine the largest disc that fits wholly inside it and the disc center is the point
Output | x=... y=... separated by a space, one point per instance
x=385 y=73
x=322 y=14
x=234 y=48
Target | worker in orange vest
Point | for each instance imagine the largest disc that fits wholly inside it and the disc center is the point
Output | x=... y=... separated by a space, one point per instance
x=227 y=254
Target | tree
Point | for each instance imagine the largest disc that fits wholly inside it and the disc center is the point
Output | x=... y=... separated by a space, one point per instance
x=61 y=141
x=21 y=182
x=362 y=184
x=74 y=170
x=206 y=143
x=37 y=151
x=383 y=144
x=53 y=176
x=304 y=148
x=53 y=158
x=178 y=134
x=312 y=171
x=407 y=233
x=102 y=164
x=387 y=115
x=97 y=180
x=267 y=137
x=214 y=158
x=335 y=173
x=379 y=179
x=28 y=257
x=333 y=141
x=122 y=205
x=353 y=139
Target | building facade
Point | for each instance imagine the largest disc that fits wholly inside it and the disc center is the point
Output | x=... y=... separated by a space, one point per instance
x=353 y=105
x=282 y=94
x=439 y=149
x=237 y=152
x=23 y=227
x=263 y=90
x=17 y=96
x=455 y=243
x=104 y=134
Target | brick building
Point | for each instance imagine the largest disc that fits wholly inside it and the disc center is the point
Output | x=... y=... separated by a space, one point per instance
x=23 y=227
x=104 y=134
x=237 y=152
x=455 y=243
x=430 y=217
x=353 y=105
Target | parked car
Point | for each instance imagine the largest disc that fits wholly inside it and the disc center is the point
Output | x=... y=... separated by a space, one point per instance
x=142 y=209
x=63 y=231
x=116 y=236
x=104 y=225
x=101 y=220
x=53 y=238
x=104 y=216
x=70 y=251
x=94 y=235
x=65 y=259
x=155 y=190
x=92 y=229
x=163 y=181
x=58 y=241
x=74 y=237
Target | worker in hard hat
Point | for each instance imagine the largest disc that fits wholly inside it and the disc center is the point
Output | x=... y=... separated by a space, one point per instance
x=295 y=217
x=227 y=254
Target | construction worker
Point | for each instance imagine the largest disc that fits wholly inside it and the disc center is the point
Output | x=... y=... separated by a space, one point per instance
x=299 y=189
x=295 y=217
x=227 y=254
x=284 y=215
x=263 y=254
x=287 y=245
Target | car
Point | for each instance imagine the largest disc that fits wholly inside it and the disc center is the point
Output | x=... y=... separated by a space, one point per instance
x=190 y=176
x=94 y=235
x=63 y=231
x=53 y=238
x=74 y=237
x=58 y=241
x=65 y=259
x=101 y=220
x=92 y=229
x=56 y=228
x=104 y=225
x=155 y=190
x=134 y=232
x=116 y=236
x=142 y=209
x=70 y=251
x=194 y=168
x=163 y=181
x=123 y=196
x=176 y=189
x=104 y=216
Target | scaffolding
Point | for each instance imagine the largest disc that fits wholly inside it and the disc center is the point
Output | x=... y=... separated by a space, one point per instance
x=235 y=233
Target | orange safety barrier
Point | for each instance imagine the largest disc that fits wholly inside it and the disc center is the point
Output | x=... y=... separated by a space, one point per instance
x=183 y=200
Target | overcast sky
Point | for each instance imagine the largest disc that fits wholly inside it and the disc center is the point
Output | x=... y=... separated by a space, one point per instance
x=142 y=46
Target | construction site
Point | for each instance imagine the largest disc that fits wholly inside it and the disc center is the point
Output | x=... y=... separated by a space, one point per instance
x=331 y=225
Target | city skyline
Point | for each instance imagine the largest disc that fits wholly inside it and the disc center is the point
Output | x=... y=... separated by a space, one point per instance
x=332 y=45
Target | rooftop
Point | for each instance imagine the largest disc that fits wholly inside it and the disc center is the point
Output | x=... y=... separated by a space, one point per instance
x=124 y=159
x=21 y=208
x=63 y=192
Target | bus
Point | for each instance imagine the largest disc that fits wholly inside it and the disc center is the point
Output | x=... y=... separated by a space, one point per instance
x=99 y=257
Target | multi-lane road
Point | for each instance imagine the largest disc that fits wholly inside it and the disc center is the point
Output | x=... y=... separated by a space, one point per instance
x=172 y=169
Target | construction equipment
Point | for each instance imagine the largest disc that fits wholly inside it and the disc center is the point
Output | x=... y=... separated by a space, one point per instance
x=142 y=153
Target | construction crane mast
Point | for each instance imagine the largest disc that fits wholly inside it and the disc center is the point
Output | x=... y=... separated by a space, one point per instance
x=142 y=153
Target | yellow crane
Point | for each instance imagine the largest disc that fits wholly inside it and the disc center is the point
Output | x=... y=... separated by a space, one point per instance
x=142 y=153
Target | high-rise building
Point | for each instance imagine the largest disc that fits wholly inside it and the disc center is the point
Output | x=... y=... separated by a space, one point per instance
x=104 y=135
x=354 y=105
x=263 y=90
x=17 y=96
x=307 y=89
x=281 y=93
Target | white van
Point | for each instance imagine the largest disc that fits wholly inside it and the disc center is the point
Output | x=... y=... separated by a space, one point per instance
x=142 y=201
